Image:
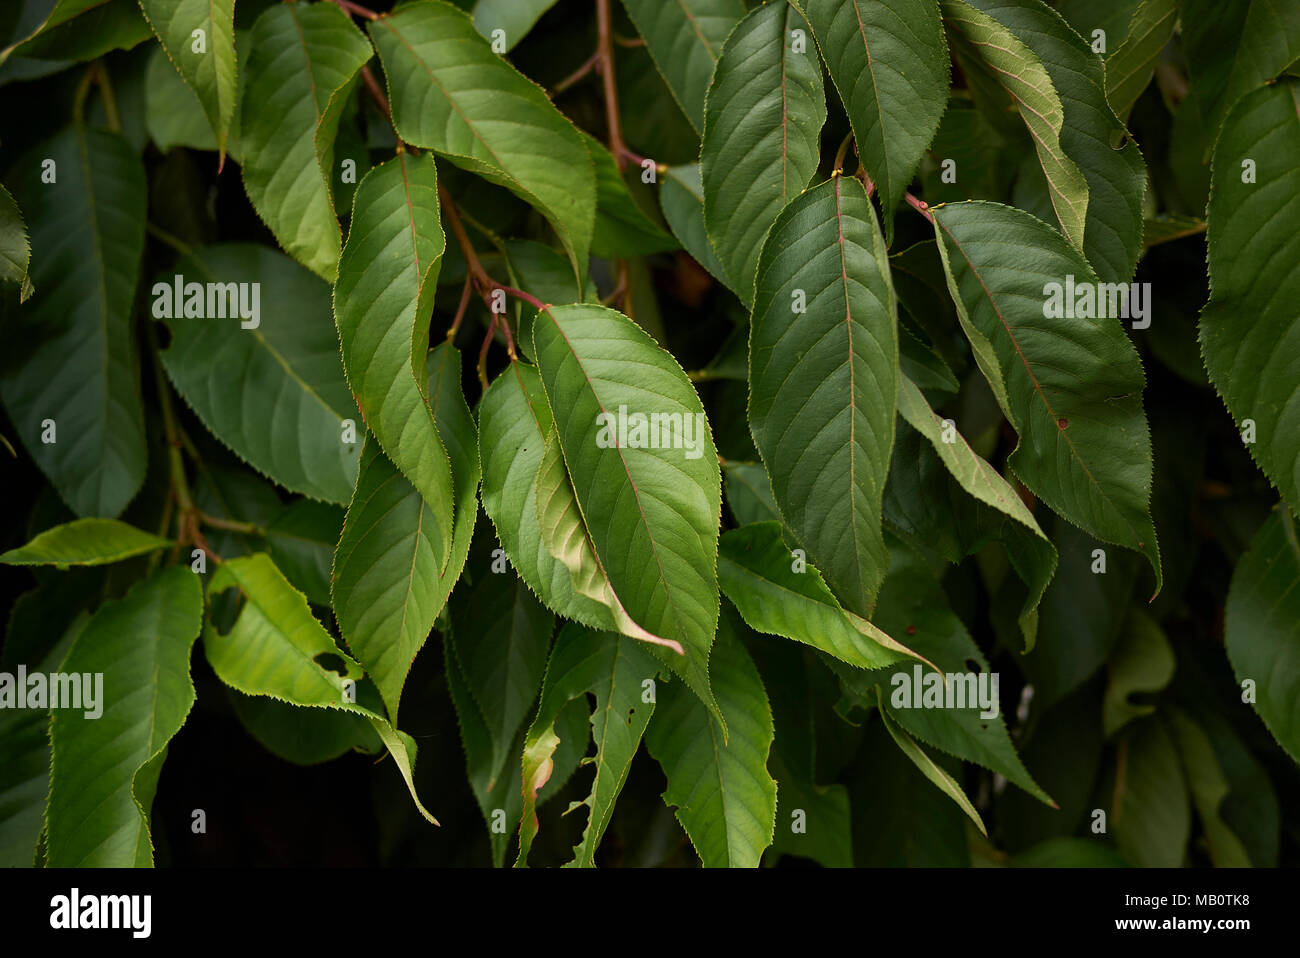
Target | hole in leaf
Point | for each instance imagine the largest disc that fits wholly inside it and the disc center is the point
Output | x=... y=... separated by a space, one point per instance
x=330 y=662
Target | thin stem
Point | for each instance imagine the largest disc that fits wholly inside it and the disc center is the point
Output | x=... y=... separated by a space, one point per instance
x=377 y=93
x=841 y=153
x=175 y=242
x=629 y=42
x=180 y=485
x=528 y=298
x=232 y=525
x=473 y=264
x=483 y=351
x=79 y=98
x=576 y=75
x=462 y=308
x=357 y=8
x=106 y=95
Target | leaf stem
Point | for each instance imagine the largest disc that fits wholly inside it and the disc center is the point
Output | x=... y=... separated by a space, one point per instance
x=349 y=7
x=377 y=93
x=106 y=95
x=462 y=308
x=588 y=65
x=841 y=153
x=231 y=525
x=172 y=240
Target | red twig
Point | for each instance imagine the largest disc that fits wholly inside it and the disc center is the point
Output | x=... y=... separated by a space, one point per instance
x=357 y=8
x=920 y=206
x=576 y=75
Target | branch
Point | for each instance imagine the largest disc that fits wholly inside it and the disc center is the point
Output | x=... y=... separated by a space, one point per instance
x=605 y=55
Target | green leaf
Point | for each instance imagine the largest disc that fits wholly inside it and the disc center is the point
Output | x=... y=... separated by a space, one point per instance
x=85 y=542
x=1143 y=662
x=1151 y=814
x=685 y=38
x=718 y=782
x=1092 y=136
x=762 y=135
x=15 y=248
x=500 y=637
x=513 y=17
x=73 y=357
x=749 y=494
x=612 y=668
x=1235 y=48
x=387 y=588
x=1166 y=228
x=275 y=392
x=889 y=62
x=1250 y=328
x=559 y=519
x=986 y=42
x=1130 y=65
x=1083 y=610
x=621 y=230
x=275 y=647
x=1030 y=552
x=383 y=301
x=931 y=770
x=908 y=823
x=823 y=381
x=1209 y=788
x=514 y=425
x=105 y=769
x=304 y=736
x=304 y=62
x=79 y=30
x=451 y=94
x=781 y=594
x=912 y=603
x=25 y=756
x=302 y=538
x=682 y=198
x=650 y=499
x=1069 y=853
x=1262 y=627
x=206 y=61
x=1072 y=388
